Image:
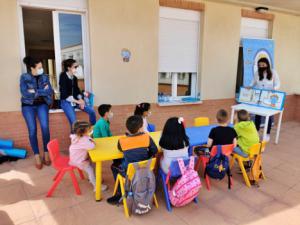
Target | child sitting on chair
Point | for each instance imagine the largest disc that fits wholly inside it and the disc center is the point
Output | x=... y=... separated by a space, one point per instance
x=246 y=133
x=102 y=127
x=81 y=142
x=143 y=110
x=136 y=145
x=174 y=142
x=220 y=135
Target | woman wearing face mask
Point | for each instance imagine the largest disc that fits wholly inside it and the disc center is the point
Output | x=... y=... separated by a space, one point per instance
x=143 y=110
x=70 y=95
x=36 y=97
x=265 y=78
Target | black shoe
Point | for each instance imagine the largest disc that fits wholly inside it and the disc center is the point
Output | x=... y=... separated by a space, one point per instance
x=114 y=200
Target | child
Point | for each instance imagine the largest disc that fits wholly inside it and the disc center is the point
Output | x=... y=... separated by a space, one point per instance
x=136 y=146
x=222 y=134
x=174 y=142
x=246 y=132
x=143 y=110
x=81 y=142
x=102 y=127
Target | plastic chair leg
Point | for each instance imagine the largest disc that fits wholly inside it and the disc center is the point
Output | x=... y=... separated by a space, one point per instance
x=124 y=199
x=207 y=181
x=116 y=185
x=155 y=201
x=56 y=175
x=80 y=174
x=165 y=188
x=197 y=167
x=244 y=173
x=56 y=182
x=232 y=161
x=75 y=183
x=196 y=200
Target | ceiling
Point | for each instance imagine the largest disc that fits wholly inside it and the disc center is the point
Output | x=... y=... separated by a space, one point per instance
x=291 y=6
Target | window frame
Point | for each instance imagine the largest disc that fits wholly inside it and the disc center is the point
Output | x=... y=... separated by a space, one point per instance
x=195 y=92
x=79 y=9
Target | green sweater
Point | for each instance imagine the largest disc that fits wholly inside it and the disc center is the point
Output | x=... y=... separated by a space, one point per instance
x=247 y=135
x=102 y=128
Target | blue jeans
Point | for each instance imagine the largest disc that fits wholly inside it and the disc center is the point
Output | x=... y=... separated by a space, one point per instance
x=71 y=115
x=239 y=151
x=30 y=113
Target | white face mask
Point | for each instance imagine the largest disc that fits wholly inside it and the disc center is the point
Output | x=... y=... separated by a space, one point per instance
x=110 y=115
x=91 y=133
x=149 y=113
x=40 y=71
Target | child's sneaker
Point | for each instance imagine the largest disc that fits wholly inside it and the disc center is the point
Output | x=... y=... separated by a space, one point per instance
x=114 y=200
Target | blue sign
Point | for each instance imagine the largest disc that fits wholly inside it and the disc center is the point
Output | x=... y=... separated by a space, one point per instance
x=253 y=50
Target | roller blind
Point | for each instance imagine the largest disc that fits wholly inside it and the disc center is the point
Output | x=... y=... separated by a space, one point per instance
x=178 y=40
x=254 y=28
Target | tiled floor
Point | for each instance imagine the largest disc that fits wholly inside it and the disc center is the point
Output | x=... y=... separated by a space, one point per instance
x=276 y=201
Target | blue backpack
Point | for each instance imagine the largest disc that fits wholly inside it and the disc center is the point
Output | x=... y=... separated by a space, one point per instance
x=218 y=166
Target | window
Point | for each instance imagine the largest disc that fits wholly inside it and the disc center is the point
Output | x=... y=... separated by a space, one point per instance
x=178 y=53
x=250 y=28
x=54 y=36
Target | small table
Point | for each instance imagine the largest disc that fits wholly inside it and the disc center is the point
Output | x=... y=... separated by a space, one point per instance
x=261 y=111
x=106 y=149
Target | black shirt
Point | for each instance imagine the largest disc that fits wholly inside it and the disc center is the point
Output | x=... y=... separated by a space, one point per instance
x=222 y=135
x=68 y=87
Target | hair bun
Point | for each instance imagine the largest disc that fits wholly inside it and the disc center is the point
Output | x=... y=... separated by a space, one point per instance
x=27 y=60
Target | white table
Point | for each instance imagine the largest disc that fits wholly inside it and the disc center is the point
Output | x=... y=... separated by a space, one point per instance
x=261 y=112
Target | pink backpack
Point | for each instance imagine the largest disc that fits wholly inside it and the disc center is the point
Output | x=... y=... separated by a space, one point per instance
x=187 y=187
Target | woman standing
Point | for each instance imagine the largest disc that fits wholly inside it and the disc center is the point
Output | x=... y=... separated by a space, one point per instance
x=70 y=95
x=268 y=79
x=36 y=97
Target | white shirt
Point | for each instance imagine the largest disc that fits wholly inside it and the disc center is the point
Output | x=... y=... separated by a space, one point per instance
x=145 y=125
x=170 y=155
x=272 y=84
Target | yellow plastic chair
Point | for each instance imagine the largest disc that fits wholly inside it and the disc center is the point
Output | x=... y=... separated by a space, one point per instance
x=254 y=150
x=130 y=173
x=201 y=121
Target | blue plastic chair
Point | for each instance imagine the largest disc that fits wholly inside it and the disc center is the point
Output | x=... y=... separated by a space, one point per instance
x=174 y=174
x=151 y=127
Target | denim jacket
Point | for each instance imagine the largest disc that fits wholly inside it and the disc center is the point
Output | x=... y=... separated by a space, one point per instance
x=28 y=81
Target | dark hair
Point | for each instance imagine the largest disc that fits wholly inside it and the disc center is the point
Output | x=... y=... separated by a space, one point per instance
x=173 y=136
x=243 y=115
x=80 y=127
x=31 y=62
x=269 y=71
x=67 y=63
x=141 y=108
x=104 y=108
x=222 y=116
x=134 y=123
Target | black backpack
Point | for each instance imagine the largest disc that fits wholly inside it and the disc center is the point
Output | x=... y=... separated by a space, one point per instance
x=218 y=166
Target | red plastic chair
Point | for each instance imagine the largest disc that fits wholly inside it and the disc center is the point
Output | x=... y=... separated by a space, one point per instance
x=61 y=164
x=226 y=150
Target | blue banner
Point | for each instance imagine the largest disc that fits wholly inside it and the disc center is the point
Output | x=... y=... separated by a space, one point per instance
x=253 y=50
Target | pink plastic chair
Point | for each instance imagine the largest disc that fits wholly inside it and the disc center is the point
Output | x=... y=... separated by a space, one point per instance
x=226 y=150
x=61 y=164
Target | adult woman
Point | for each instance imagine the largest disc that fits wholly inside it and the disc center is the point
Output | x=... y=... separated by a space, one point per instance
x=265 y=78
x=70 y=95
x=36 y=97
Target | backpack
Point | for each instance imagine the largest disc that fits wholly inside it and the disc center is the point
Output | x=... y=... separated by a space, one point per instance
x=187 y=187
x=140 y=189
x=218 y=166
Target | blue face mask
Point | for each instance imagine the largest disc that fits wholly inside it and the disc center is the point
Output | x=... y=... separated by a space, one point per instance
x=40 y=71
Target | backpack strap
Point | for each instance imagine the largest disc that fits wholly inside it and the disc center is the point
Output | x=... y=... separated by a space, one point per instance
x=192 y=163
x=181 y=165
x=219 y=150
